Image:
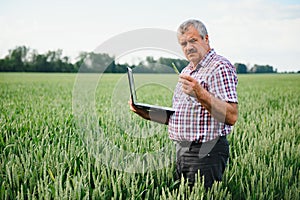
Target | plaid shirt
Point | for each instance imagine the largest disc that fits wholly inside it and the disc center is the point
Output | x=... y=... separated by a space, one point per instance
x=191 y=121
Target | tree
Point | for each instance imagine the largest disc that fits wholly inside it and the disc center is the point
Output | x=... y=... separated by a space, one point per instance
x=179 y=63
x=262 y=69
x=240 y=68
x=22 y=59
x=17 y=58
x=96 y=62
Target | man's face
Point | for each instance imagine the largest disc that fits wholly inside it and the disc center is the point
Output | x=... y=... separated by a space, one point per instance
x=193 y=46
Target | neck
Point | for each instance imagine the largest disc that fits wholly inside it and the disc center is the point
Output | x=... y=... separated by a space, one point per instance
x=194 y=65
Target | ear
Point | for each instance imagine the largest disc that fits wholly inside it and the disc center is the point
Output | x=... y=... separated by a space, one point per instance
x=206 y=39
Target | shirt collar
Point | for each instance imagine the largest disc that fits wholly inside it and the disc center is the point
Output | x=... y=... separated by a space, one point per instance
x=204 y=62
x=207 y=58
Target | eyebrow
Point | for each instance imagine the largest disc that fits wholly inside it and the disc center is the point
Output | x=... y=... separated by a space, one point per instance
x=182 y=43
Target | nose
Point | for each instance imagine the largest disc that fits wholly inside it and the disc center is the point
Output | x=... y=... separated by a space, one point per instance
x=189 y=46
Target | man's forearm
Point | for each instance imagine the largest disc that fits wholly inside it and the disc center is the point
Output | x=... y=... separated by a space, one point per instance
x=222 y=111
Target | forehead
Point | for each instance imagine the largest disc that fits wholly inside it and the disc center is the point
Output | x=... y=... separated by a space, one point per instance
x=190 y=33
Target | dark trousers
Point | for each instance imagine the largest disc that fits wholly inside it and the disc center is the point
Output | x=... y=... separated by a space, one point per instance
x=210 y=158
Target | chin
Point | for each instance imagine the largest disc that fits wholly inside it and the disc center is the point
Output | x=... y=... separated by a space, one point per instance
x=193 y=59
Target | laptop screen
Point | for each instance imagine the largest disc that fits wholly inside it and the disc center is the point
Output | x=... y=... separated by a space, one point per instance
x=131 y=85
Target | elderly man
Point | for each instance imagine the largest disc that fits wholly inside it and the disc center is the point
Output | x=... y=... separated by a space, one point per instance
x=205 y=103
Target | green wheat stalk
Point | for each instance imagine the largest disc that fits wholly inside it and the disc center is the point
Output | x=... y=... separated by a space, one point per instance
x=175 y=68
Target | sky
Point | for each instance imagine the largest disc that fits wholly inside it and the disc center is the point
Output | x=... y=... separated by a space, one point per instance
x=245 y=31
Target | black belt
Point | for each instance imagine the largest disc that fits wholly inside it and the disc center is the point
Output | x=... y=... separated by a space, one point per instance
x=197 y=142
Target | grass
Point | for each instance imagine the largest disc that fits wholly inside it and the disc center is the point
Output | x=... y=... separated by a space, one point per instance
x=68 y=137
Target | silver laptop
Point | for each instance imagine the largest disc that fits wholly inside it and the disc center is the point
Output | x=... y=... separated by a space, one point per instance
x=144 y=106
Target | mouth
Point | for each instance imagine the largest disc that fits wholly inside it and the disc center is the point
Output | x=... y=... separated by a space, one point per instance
x=191 y=54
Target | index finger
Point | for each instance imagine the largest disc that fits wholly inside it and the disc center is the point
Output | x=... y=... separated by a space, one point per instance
x=186 y=77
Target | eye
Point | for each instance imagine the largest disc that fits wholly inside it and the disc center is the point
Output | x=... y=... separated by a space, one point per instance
x=192 y=40
x=183 y=44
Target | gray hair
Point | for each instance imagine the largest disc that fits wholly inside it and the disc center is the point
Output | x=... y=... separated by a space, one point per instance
x=198 y=25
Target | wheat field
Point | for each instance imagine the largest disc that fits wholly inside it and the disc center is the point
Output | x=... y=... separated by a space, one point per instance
x=69 y=136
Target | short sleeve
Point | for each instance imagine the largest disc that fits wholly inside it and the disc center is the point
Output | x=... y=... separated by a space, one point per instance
x=223 y=83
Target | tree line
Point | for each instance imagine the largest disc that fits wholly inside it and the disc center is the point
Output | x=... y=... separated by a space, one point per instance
x=24 y=59
x=243 y=69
